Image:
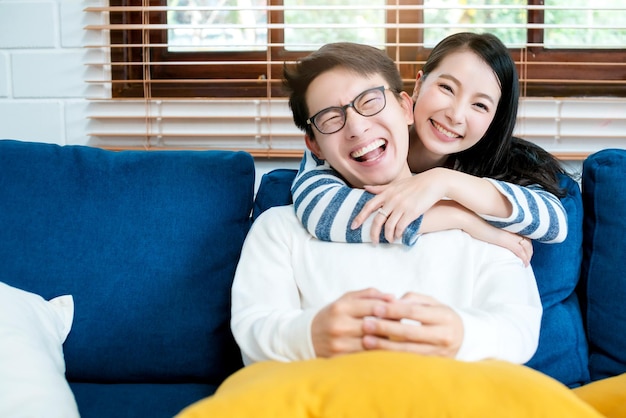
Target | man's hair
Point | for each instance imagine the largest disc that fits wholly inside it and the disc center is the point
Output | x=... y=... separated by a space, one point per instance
x=362 y=60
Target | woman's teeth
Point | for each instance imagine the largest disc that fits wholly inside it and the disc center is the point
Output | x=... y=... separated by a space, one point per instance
x=444 y=131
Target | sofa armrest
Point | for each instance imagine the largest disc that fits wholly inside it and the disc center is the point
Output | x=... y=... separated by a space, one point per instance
x=603 y=281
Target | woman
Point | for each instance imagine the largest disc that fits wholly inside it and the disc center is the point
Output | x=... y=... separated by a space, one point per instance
x=466 y=99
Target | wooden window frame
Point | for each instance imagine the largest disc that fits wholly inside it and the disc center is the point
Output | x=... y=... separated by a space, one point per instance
x=535 y=63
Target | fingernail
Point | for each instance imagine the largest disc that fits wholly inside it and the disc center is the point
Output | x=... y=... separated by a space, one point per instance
x=410 y=321
x=380 y=311
x=369 y=341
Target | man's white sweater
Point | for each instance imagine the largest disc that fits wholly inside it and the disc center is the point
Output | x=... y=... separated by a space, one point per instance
x=285 y=276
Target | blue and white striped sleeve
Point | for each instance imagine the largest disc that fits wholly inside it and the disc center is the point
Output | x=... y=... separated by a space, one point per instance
x=537 y=214
x=326 y=205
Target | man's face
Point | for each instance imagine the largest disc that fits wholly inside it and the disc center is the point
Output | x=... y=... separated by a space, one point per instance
x=368 y=150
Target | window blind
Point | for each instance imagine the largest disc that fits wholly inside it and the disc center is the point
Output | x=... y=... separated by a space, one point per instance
x=207 y=81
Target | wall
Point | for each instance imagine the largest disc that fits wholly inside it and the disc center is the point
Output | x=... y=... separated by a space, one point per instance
x=52 y=106
x=41 y=105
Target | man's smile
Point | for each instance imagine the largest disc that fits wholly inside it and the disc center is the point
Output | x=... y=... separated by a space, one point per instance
x=370 y=151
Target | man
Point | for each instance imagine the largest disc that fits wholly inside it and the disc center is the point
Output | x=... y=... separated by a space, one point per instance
x=295 y=297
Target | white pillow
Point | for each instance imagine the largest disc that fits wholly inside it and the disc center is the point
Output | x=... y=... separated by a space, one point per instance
x=32 y=366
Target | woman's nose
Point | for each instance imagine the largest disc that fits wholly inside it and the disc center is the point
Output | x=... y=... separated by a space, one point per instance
x=455 y=113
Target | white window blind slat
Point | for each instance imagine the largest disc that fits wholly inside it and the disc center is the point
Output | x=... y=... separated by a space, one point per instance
x=263 y=125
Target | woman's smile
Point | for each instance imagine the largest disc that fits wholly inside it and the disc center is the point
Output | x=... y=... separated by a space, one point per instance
x=446 y=134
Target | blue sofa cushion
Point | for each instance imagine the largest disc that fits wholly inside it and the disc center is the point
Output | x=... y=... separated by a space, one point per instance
x=274 y=190
x=562 y=351
x=147 y=243
x=603 y=278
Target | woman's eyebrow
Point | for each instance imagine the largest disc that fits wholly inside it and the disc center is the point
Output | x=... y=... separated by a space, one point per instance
x=458 y=83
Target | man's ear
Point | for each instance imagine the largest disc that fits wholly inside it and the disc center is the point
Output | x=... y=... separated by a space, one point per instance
x=418 y=84
x=407 y=107
x=314 y=147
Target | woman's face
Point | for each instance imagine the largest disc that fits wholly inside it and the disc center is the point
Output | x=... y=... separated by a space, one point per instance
x=368 y=149
x=455 y=104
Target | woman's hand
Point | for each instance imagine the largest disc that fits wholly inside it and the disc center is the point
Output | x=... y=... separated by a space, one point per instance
x=520 y=246
x=447 y=214
x=338 y=327
x=416 y=323
x=402 y=202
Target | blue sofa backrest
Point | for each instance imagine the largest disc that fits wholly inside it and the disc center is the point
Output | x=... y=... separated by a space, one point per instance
x=562 y=351
x=146 y=242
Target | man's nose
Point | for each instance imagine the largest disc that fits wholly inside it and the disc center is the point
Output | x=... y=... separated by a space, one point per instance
x=356 y=123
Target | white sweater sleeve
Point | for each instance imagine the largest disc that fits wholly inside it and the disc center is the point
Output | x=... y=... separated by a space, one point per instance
x=537 y=214
x=326 y=205
x=267 y=320
x=504 y=320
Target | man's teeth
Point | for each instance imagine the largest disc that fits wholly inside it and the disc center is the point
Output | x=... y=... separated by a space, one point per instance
x=444 y=131
x=368 y=148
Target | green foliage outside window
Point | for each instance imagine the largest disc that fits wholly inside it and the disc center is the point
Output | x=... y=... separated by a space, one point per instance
x=363 y=21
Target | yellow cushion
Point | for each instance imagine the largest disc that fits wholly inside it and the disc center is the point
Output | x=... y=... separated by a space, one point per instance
x=608 y=396
x=388 y=384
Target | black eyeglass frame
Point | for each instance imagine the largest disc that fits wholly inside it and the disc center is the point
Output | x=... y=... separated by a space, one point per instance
x=343 y=109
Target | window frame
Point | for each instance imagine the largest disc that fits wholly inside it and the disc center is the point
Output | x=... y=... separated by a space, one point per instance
x=129 y=77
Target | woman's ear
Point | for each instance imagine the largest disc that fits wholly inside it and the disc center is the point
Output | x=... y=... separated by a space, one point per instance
x=313 y=146
x=418 y=84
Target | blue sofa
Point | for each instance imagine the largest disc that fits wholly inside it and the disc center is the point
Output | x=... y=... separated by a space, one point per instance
x=147 y=243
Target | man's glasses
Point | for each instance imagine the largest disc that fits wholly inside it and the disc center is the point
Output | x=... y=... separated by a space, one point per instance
x=333 y=119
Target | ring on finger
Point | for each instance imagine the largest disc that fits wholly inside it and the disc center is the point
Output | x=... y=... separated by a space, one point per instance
x=382 y=212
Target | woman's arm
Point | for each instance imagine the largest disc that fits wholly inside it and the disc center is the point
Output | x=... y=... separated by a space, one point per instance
x=537 y=214
x=327 y=207
x=528 y=211
x=448 y=214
